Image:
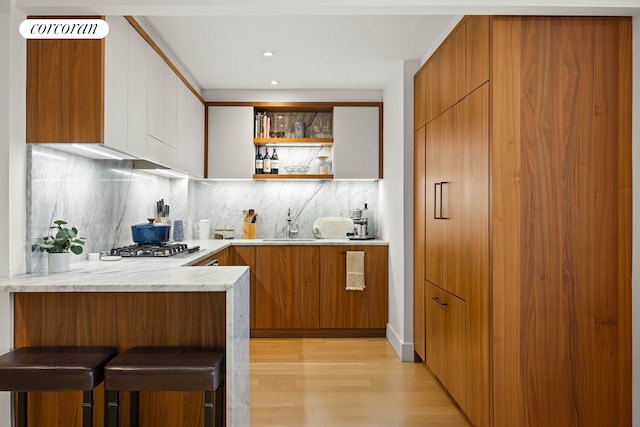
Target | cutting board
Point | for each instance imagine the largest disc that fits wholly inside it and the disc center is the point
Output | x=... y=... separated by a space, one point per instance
x=332 y=227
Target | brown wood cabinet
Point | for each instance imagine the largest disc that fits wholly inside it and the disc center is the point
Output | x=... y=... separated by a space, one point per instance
x=446 y=340
x=299 y=291
x=65 y=91
x=340 y=308
x=445 y=78
x=123 y=320
x=287 y=284
x=535 y=245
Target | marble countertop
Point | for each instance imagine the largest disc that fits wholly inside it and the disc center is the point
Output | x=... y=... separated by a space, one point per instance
x=147 y=274
x=294 y=241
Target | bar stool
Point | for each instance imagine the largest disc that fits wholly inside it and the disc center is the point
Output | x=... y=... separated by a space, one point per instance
x=54 y=369
x=165 y=369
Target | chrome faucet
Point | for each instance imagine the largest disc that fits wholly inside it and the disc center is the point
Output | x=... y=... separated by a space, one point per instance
x=291 y=230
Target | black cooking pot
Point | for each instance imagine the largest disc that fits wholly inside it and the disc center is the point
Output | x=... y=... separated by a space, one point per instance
x=152 y=232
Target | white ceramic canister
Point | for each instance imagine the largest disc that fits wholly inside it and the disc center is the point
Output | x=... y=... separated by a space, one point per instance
x=203 y=229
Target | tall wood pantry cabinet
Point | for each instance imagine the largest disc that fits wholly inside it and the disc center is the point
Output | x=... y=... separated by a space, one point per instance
x=522 y=219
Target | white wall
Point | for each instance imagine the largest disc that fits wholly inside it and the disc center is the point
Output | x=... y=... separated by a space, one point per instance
x=396 y=206
x=12 y=171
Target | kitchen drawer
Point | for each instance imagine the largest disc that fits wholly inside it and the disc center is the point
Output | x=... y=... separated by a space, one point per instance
x=445 y=339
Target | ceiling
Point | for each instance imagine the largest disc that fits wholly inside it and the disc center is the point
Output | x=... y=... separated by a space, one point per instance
x=318 y=44
x=311 y=52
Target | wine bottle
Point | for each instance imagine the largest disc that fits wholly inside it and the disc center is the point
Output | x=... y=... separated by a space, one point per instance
x=274 y=162
x=266 y=162
x=259 y=162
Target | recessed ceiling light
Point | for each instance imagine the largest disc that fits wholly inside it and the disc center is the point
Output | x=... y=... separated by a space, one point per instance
x=274 y=82
x=268 y=53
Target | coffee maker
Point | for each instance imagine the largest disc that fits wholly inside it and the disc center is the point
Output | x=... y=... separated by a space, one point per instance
x=362 y=224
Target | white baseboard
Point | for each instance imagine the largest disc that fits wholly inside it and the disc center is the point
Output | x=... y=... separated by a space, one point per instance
x=404 y=351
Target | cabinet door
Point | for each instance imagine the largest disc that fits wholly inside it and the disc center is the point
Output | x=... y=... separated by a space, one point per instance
x=476 y=51
x=160 y=153
x=116 y=87
x=195 y=136
x=231 y=149
x=446 y=350
x=155 y=94
x=419 y=207
x=445 y=74
x=65 y=91
x=451 y=71
x=433 y=190
x=137 y=95
x=287 y=283
x=453 y=189
x=170 y=109
x=356 y=143
x=340 y=308
x=181 y=126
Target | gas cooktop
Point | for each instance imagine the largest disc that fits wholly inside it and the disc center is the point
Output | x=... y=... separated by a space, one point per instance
x=154 y=250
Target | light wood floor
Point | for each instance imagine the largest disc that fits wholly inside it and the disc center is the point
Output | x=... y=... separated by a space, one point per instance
x=343 y=382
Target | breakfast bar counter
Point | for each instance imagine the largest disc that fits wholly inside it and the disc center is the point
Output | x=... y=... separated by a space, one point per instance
x=138 y=302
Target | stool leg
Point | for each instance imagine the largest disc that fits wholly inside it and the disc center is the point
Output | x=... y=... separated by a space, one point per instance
x=133 y=410
x=87 y=408
x=113 y=403
x=209 y=408
x=22 y=409
x=219 y=404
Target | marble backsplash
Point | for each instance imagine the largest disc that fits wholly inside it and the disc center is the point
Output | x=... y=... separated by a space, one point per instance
x=222 y=202
x=103 y=198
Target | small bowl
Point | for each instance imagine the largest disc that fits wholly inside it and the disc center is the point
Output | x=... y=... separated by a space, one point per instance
x=297 y=170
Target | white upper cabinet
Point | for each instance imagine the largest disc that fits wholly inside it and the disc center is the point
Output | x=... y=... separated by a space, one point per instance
x=195 y=135
x=231 y=149
x=170 y=106
x=161 y=111
x=189 y=132
x=181 y=127
x=116 y=87
x=155 y=94
x=137 y=95
x=356 y=142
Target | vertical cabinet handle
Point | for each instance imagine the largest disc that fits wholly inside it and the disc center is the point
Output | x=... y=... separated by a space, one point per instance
x=441 y=200
x=444 y=200
x=437 y=201
x=442 y=303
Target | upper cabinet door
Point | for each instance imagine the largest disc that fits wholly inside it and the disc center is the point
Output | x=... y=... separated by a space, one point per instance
x=181 y=126
x=356 y=143
x=231 y=149
x=116 y=79
x=65 y=91
x=137 y=95
x=195 y=136
x=155 y=95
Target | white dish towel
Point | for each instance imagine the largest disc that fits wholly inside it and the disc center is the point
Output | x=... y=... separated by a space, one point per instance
x=355 y=271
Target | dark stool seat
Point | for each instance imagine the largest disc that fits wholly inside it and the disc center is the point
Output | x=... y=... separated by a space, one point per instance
x=165 y=369
x=54 y=369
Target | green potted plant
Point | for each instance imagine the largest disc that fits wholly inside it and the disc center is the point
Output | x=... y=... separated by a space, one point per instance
x=60 y=246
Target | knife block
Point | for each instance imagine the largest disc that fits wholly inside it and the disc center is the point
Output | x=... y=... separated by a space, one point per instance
x=248 y=230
